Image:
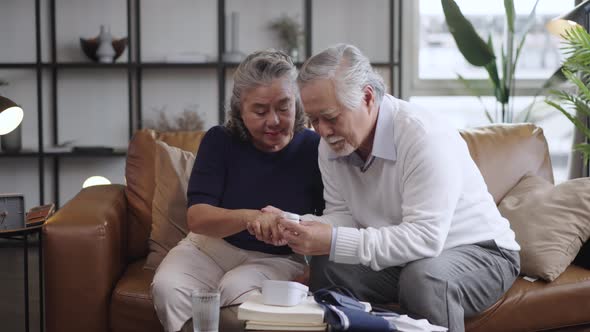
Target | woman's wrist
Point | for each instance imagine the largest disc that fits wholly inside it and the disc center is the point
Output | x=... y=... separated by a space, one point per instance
x=249 y=215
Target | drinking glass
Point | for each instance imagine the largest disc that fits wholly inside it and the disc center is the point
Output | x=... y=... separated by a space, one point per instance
x=205 y=310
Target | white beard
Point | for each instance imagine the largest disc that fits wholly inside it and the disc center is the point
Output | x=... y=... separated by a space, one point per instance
x=342 y=148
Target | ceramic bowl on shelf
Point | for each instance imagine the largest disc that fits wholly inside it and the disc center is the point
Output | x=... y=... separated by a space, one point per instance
x=90 y=45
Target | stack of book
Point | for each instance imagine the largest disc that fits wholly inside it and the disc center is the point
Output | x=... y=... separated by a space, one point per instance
x=306 y=316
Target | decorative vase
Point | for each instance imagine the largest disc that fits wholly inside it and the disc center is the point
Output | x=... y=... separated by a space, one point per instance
x=11 y=142
x=233 y=55
x=105 y=52
x=294 y=54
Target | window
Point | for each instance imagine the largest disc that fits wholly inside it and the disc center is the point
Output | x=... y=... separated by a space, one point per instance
x=432 y=62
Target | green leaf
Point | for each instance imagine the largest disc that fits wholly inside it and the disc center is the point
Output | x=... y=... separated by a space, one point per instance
x=573 y=119
x=577 y=48
x=509 y=8
x=470 y=44
x=578 y=82
x=556 y=79
x=492 y=70
x=528 y=110
x=529 y=24
x=584 y=148
x=506 y=63
x=476 y=93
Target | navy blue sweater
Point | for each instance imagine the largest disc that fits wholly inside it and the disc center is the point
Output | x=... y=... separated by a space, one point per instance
x=233 y=174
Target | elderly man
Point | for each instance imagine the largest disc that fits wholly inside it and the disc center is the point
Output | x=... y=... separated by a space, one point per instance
x=408 y=216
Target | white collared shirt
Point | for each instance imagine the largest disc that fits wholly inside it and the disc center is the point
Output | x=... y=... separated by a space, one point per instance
x=420 y=194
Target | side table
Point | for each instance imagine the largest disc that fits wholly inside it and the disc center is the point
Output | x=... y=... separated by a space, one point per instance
x=22 y=234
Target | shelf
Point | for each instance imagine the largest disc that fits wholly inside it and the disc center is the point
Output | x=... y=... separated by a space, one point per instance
x=384 y=64
x=26 y=153
x=18 y=65
x=65 y=152
x=178 y=65
x=88 y=65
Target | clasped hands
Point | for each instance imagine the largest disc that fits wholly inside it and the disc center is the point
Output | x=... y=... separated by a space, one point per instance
x=305 y=237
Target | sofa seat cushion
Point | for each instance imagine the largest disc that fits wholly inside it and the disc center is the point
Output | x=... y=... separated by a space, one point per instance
x=539 y=305
x=132 y=308
x=536 y=306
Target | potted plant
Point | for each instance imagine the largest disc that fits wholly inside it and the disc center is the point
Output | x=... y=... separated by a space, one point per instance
x=481 y=53
x=289 y=32
x=188 y=120
x=576 y=69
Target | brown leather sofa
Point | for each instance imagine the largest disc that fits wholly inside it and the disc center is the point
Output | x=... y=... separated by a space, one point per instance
x=96 y=244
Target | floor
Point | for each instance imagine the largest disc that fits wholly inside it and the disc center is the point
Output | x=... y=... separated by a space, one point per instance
x=12 y=304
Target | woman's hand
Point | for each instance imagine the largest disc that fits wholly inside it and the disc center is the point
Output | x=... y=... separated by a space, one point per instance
x=266 y=227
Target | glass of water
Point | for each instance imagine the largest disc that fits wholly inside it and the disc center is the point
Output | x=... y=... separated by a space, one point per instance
x=205 y=310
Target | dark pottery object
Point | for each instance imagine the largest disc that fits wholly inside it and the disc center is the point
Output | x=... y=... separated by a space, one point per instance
x=89 y=46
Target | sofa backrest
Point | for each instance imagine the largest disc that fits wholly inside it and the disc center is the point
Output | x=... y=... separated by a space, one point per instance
x=503 y=153
x=139 y=175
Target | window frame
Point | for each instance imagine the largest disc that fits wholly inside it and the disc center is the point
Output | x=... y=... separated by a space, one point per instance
x=413 y=85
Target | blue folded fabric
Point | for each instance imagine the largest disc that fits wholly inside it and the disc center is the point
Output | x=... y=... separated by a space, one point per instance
x=332 y=296
x=352 y=320
x=345 y=313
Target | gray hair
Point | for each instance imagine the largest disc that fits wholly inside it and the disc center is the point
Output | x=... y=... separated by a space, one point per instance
x=350 y=71
x=261 y=68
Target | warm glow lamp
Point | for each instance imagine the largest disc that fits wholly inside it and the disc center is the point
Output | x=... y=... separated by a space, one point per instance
x=11 y=115
x=95 y=181
x=576 y=16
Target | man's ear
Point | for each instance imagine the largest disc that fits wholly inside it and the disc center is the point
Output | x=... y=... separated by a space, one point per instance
x=369 y=97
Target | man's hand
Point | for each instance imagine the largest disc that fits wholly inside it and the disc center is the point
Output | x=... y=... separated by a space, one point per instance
x=307 y=237
x=266 y=228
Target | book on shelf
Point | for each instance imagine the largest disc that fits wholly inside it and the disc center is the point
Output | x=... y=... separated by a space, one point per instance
x=39 y=214
x=308 y=312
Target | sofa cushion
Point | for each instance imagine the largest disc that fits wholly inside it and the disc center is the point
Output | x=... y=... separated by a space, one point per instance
x=139 y=175
x=523 y=145
x=550 y=222
x=132 y=308
x=172 y=170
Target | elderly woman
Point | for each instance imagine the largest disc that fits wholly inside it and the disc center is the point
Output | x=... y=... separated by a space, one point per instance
x=262 y=156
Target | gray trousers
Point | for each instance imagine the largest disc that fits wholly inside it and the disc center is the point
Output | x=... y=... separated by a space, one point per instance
x=459 y=283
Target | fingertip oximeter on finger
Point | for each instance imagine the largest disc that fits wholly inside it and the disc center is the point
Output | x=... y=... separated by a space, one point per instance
x=294 y=217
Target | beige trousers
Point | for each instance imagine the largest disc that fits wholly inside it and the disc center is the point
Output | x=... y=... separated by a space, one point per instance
x=209 y=263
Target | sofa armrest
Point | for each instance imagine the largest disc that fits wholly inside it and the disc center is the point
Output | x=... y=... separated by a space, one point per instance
x=83 y=250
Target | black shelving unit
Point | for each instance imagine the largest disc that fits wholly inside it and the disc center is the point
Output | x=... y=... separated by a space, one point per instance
x=222 y=67
x=135 y=67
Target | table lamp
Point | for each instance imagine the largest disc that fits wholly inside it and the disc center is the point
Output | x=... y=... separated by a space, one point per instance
x=576 y=16
x=11 y=115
